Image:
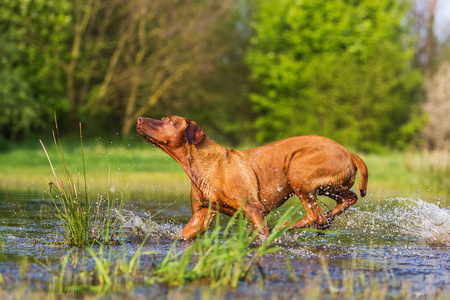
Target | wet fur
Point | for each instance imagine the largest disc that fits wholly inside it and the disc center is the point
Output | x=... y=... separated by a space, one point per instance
x=257 y=180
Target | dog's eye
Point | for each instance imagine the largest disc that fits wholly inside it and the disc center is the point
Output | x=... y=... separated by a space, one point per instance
x=169 y=120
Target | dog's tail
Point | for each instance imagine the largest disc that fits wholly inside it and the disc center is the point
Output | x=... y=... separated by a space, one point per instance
x=363 y=174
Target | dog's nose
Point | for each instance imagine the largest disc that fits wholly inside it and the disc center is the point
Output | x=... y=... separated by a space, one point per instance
x=140 y=120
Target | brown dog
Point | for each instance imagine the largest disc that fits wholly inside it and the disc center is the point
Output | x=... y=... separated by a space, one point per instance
x=257 y=180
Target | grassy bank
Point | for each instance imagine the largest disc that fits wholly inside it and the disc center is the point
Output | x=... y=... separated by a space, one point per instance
x=144 y=167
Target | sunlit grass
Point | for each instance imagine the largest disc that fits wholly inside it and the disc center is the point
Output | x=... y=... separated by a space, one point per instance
x=434 y=167
x=146 y=167
x=408 y=174
x=219 y=258
x=101 y=271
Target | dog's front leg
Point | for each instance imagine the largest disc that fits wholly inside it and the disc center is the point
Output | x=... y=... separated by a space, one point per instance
x=198 y=223
x=257 y=217
x=201 y=216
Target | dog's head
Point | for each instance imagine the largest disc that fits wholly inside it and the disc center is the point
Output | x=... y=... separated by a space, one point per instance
x=170 y=132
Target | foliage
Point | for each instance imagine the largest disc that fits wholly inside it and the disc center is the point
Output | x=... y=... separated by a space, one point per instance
x=103 y=60
x=343 y=69
x=335 y=68
x=32 y=39
x=25 y=65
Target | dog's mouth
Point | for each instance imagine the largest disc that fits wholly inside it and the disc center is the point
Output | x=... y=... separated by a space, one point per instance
x=149 y=139
x=145 y=128
x=146 y=136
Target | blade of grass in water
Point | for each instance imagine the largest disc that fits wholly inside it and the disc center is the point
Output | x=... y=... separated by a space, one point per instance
x=88 y=201
x=220 y=257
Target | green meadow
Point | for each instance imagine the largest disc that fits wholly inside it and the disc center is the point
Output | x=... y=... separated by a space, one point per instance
x=137 y=167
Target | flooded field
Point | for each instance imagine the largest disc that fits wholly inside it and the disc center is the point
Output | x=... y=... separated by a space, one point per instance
x=381 y=248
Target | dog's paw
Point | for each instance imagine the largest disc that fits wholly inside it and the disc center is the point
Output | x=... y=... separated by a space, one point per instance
x=326 y=225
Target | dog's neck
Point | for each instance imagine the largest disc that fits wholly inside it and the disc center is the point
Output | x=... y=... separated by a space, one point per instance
x=199 y=161
x=205 y=155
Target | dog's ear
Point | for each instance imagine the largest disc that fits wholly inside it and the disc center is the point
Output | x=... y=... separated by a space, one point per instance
x=194 y=133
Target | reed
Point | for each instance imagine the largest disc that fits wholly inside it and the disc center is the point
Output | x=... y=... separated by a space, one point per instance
x=219 y=257
x=73 y=204
x=107 y=272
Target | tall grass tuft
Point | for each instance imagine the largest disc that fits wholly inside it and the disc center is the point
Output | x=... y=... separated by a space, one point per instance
x=218 y=256
x=73 y=205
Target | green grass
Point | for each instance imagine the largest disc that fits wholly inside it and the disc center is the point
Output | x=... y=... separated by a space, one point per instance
x=209 y=271
x=145 y=167
x=221 y=258
x=74 y=205
x=409 y=173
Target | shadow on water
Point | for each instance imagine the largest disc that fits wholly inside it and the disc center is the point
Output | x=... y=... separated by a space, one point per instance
x=403 y=239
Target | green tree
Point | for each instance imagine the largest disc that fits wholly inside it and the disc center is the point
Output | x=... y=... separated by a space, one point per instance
x=19 y=111
x=125 y=58
x=107 y=62
x=336 y=68
x=33 y=45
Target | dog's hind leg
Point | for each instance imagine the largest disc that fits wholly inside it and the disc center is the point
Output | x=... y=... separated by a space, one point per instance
x=298 y=177
x=344 y=199
x=314 y=215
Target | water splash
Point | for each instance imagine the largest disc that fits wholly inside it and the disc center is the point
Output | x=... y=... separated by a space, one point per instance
x=141 y=227
x=428 y=221
x=405 y=217
x=391 y=218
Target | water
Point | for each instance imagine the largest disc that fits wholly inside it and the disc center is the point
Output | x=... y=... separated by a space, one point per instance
x=406 y=240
